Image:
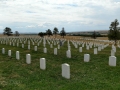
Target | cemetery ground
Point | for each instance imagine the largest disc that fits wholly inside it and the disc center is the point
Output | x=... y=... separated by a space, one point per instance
x=93 y=75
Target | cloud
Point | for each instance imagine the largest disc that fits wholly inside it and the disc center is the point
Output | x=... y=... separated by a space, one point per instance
x=19 y=27
x=51 y=13
x=1 y=27
x=30 y=26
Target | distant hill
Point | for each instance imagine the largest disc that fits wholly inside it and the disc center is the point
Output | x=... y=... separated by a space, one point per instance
x=89 y=32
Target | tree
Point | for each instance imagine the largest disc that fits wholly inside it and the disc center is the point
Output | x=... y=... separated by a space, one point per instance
x=114 y=33
x=48 y=32
x=41 y=34
x=63 y=33
x=94 y=35
x=55 y=31
x=17 y=33
x=7 y=31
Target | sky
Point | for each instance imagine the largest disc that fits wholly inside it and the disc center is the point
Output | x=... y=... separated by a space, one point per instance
x=74 y=15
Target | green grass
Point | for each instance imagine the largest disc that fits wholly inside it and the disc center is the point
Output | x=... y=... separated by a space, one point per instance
x=93 y=75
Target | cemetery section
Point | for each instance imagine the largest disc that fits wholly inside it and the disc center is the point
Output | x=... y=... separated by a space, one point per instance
x=52 y=63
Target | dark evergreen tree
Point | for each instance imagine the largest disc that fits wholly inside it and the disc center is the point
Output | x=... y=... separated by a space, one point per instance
x=17 y=33
x=114 y=33
x=62 y=32
x=48 y=32
x=7 y=31
x=55 y=31
x=41 y=34
x=94 y=35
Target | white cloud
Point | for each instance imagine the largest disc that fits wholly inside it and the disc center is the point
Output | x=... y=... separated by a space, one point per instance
x=43 y=13
x=19 y=27
x=1 y=27
x=30 y=26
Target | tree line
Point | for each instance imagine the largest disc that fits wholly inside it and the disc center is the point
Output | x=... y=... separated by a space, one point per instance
x=55 y=32
x=113 y=32
x=7 y=31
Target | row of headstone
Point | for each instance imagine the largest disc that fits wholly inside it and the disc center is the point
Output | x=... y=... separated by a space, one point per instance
x=69 y=48
x=87 y=43
x=44 y=40
x=9 y=53
x=65 y=67
x=87 y=46
x=86 y=56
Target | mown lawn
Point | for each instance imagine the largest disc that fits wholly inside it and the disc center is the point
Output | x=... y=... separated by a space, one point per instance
x=93 y=75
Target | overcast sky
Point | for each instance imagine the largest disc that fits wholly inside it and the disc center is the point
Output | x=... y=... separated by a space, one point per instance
x=73 y=15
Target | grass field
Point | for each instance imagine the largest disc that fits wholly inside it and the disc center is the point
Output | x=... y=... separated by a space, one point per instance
x=93 y=75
